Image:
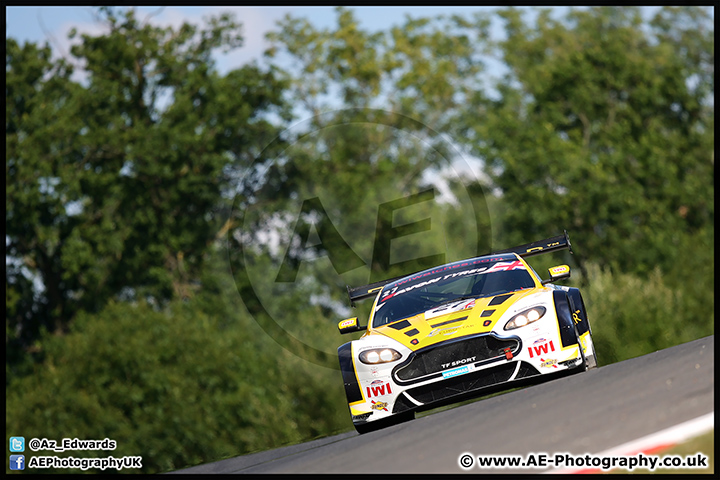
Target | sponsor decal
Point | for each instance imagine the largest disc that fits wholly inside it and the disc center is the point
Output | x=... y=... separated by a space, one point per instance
x=576 y=317
x=347 y=323
x=449 y=267
x=396 y=290
x=370 y=347
x=379 y=406
x=559 y=269
x=541 y=347
x=363 y=416
x=506 y=266
x=533 y=249
x=378 y=388
x=388 y=294
x=443 y=331
x=458 y=362
x=550 y=362
x=450 y=308
x=458 y=371
x=447 y=331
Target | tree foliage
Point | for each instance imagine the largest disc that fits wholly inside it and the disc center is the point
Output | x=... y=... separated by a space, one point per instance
x=604 y=126
x=200 y=375
x=114 y=184
x=351 y=199
x=178 y=240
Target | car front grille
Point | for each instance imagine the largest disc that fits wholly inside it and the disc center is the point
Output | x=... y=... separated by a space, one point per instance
x=487 y=378
x=463 y=384
x=434 y=359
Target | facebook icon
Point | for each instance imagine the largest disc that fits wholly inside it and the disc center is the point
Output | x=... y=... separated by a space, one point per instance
x=17 y=462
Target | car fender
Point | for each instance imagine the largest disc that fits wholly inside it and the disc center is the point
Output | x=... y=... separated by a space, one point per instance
x=566 y=325
x=578 y=312
x=347 y=368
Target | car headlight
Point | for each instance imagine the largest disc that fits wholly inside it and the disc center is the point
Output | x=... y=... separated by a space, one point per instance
x=379 y=355
x=523 y=318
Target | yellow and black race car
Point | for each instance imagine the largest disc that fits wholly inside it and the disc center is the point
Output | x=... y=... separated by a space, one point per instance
x=467 y=327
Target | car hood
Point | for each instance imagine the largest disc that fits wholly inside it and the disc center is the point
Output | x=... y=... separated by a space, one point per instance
x=457 y=319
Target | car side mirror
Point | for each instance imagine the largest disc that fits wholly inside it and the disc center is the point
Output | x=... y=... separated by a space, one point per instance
x=350 y=325
x=559 y=272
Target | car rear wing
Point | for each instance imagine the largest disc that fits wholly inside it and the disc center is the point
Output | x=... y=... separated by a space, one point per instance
x=541 y=246
x=367 y=291
x=548 y=245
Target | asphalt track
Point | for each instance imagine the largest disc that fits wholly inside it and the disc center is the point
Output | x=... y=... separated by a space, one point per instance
x=587 y=413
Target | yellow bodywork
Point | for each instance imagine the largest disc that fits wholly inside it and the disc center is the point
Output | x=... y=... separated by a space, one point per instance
x=452 y=325
x=478 y=317
x=456 y=324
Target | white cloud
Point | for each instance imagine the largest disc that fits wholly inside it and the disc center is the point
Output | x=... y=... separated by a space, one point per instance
x=256 y=23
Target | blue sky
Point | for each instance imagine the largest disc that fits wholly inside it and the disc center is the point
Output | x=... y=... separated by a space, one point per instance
x=52 y=24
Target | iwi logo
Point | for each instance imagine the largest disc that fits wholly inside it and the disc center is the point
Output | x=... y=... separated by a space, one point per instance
x=377 y=388
x=542 y=349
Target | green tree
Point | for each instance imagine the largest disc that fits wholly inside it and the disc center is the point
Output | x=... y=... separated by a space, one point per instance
x=355 y=197
x=423 y=69
x=115 y=184
x=194 y=383
x=119 y=192
x=382 y=140
x=604 y=126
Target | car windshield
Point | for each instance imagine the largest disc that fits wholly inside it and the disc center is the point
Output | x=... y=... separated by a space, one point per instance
x=448 y=285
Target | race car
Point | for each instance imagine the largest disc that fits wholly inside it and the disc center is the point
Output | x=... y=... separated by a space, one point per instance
x=465 y=328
